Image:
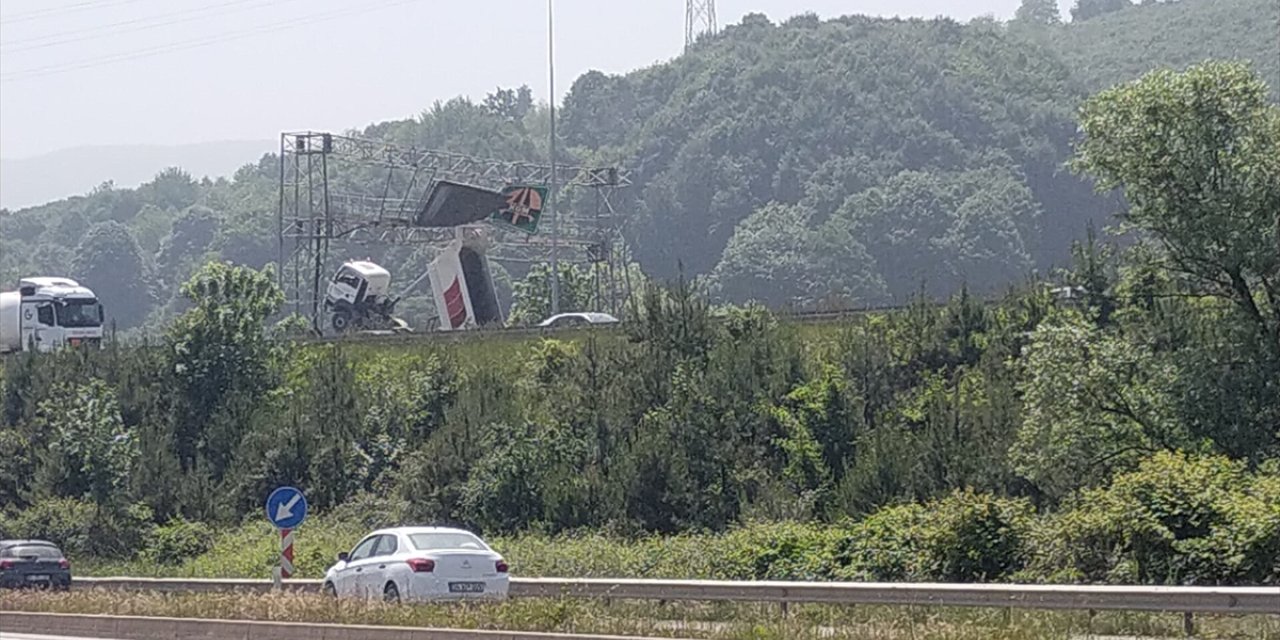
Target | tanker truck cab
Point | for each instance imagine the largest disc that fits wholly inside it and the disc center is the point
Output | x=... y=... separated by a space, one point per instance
x=49 y=313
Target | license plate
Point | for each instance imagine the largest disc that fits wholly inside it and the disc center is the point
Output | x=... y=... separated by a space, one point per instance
x=466 y=587
x=37 y=578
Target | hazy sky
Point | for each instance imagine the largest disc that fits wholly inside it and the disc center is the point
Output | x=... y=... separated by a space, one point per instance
x=86 y=72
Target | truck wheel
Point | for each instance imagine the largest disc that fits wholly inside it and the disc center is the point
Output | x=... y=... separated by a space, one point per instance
x=341 y=321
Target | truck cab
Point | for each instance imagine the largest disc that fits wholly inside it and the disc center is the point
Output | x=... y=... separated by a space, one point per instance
x=47 y=314
x=359 y=297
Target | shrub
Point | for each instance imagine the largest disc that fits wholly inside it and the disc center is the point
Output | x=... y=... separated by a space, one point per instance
x=776 y=551
x=977 y=537
x=1177 y=519
x=965 y=537
x=82 y=529
x=178 y=541
x=1245 y=547
x=371 y=511
x=886 y=546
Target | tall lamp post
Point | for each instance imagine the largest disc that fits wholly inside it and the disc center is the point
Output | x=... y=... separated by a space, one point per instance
x=551 y=190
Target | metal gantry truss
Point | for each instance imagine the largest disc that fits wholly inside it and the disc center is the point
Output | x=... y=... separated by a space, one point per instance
x=359 y=192
x=699 y=19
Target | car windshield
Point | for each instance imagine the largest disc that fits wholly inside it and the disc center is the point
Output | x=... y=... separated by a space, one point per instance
x=446 y=540
x=79 y=313
x=42 y=551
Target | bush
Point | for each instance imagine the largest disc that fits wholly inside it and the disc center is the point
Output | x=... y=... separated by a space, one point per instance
x=965 y=537
x=82 y=529
x=977 y=537
x=887 y=546
x=178 y=541
x=1177 y=519
x=372 y=511
x=776 y=551
x=1245 y=547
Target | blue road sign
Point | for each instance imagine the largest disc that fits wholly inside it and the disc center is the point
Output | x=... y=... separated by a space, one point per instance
x=286 y=508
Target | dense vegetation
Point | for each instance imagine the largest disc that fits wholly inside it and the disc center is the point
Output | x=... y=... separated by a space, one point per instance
x=1128 y=436
x=811 y=163
x=1128 y=433
x=1173 y=34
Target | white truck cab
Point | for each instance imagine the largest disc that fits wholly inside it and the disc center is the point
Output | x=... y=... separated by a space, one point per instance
x=49 y=313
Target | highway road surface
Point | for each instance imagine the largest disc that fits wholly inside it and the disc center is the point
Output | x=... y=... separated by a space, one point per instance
x=27 y=636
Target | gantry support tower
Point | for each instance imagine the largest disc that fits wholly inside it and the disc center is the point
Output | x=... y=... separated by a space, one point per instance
x=699 y=19
x=348 y=191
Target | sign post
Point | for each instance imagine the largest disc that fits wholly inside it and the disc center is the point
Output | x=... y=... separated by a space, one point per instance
x=286 y=509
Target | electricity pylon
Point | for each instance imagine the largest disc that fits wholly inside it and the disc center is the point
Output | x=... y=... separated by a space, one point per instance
x=700 y=18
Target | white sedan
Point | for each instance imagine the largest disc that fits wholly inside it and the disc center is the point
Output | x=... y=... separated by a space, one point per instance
x=419 y=564
x=579 y=319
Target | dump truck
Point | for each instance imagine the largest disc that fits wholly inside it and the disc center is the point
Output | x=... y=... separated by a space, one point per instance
x=359 y=300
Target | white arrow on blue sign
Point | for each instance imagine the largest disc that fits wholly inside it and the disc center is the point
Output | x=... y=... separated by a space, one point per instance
x=286 y=508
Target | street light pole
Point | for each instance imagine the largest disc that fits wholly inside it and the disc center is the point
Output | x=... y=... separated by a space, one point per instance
x=551 y=190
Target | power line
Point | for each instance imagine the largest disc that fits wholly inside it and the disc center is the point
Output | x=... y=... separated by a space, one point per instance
x=110 y=29
x=48 y=70
x=70 y=8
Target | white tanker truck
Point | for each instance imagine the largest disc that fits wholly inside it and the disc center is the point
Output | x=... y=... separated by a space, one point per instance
x=48 y=313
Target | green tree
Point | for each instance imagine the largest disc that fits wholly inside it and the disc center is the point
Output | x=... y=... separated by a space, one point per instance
x=109 y=262
x=533 y=293
x=190 y=238
x=16 y=468
x=1038 y=12
x=1094 y=403
x=1094 y=271
x=1089 y=9
x=331 y=422
x=1198 y=156
x=941 y=230
x=91 y=453
x=222 y=360
x=511 y=104
x=777 y=258
x=174 y=188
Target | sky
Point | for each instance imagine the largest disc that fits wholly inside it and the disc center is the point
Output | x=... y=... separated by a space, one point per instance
x=165 y=72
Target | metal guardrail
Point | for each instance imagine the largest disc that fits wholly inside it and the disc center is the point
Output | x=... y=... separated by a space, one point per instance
x=1217 y=600
x=792 y=317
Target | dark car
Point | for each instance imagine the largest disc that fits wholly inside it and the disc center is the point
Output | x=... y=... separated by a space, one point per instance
x=33 y=563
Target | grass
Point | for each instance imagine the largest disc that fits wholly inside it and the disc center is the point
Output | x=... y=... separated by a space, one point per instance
x=251 y=551
x=720 y=621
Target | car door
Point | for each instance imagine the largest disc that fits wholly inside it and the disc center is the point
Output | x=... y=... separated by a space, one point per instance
x=347 y=580
x=378 y=571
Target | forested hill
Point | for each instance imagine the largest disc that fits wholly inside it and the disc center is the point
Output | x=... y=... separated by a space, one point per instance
x=1124 y=44
x=808 y=162
x=847 y=160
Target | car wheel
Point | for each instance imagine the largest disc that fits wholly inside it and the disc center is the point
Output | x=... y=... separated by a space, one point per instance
x=391 y=594
x=330 y=591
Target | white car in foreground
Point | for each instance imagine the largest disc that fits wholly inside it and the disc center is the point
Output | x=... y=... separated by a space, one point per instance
x=419 y=564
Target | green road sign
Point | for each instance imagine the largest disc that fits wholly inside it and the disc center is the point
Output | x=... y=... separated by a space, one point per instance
x=523 y=209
